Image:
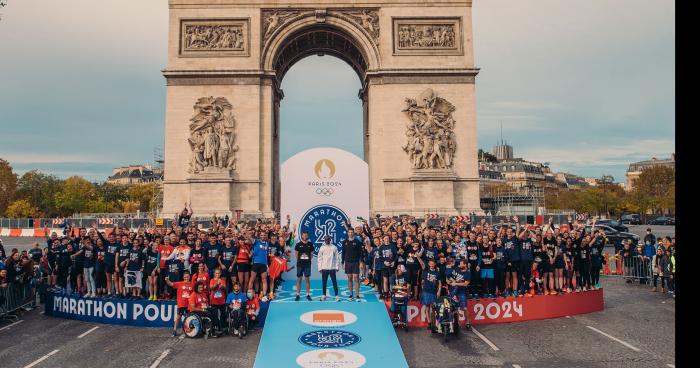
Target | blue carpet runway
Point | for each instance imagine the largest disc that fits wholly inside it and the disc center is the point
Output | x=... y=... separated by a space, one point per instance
x=328 y=334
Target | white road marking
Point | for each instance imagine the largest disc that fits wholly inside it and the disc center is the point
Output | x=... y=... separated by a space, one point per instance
x=482 y=337
x=516 y=366
x=160 y=358
x=614 y=339
x=88 y=331
x=11 y=324
x=41 y=359
x=670 y=366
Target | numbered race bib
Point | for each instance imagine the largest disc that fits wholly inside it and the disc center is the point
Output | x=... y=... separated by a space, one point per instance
x=304 y=256
x=218 y=294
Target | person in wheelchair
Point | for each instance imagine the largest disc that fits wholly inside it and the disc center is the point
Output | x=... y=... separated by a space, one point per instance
x=236 y=301
x=199 y=304
x=400 y=293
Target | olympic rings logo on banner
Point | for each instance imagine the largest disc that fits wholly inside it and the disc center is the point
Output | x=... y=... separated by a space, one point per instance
x=324 y=191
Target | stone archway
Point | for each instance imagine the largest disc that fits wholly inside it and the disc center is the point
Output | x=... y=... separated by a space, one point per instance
x=225 y=66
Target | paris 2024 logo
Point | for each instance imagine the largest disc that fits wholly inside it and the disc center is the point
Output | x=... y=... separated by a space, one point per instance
x=322 y=220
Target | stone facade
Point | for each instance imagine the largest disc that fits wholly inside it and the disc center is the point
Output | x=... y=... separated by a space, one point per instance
x=400 y=49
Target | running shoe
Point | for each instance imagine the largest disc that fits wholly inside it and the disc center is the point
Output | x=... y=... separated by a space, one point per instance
x=308 y=297
x=515 y=293
x=174 y=334
x=323 y=298
x=352 y=298
x=553 y=293
x=337 y=298
x=297 y=298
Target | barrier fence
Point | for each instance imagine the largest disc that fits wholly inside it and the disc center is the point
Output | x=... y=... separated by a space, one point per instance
x=15 y=296
x=629 y=267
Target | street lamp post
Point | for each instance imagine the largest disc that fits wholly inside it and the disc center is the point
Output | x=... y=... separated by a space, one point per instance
x=604 y=181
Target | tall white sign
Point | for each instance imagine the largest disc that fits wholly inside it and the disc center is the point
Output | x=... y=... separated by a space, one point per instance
x=321 y=189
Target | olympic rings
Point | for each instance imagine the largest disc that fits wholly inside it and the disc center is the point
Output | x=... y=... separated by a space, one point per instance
x=324 y=191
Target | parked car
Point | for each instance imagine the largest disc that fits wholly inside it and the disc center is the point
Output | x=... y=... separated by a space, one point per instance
x=614 y=236
x=614 y=224
x=663 y=220
x=631 y=219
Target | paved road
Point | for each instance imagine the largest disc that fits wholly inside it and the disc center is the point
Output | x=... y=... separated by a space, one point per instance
x=638 y=318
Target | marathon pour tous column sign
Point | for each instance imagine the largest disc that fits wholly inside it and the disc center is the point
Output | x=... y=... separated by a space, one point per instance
x=324 y=220
x=322 y=188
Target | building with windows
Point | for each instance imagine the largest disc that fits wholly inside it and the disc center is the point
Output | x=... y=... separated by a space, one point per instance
x=635 y=169
x=135 y=174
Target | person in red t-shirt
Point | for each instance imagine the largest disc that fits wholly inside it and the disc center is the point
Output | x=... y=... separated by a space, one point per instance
x=252 y=307
x=243 y=261
x=164 y=250
x=184 y=290
x=199 y=303
x=217 y=296
x=278 y=265
x=202 y=276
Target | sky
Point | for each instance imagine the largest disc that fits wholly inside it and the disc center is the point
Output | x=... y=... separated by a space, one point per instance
x=586 y=85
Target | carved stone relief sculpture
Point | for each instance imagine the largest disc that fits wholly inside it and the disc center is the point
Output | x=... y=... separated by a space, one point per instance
x=212 y=136
x=430 y=139
x=429 y=36
x=215 y=37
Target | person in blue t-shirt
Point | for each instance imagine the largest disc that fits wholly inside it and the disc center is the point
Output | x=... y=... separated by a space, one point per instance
x=511 y=247
x=388 y=254
x=259 y=268
x=431 y=286
x=236 y=302
x=461 y=277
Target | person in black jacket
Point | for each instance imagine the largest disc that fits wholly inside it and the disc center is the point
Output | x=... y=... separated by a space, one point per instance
x=352 y=253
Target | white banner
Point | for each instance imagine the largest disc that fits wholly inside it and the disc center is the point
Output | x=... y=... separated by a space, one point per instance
x=321 y=189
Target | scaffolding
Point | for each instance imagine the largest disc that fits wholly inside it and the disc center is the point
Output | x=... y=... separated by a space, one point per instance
x=506 y=200
x=158 y=162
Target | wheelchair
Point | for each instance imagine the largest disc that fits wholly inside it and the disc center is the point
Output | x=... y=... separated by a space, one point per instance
x=445 y=319
x=195 y=325
x=399 y=299
x=242 y=325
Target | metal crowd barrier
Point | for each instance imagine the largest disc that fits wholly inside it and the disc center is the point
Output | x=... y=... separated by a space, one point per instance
x=629 y=267
x=15 y=296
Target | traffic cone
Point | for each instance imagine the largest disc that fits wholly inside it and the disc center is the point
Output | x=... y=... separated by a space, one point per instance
x=606 y=269
x=620 y=271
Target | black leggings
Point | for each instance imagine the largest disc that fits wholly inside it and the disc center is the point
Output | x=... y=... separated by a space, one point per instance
x=220 y=312
x=475 y=283
x=487 y=285
x=525 y=275
x=500 y=279
x=595 y=275
x=584 y=279
x=324 y=278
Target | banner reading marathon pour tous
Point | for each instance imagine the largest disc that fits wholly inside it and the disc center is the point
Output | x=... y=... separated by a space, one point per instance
x=321 y=189
x=142 y=313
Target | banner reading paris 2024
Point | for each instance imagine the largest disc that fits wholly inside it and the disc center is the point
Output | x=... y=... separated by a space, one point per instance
x=321 y=189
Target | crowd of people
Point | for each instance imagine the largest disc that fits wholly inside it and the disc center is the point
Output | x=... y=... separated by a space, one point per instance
x=651 y=261
x=233 y=264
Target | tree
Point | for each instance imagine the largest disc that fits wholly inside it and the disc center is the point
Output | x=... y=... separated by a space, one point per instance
x=21 y=208
x=8 y=185
x=655 y=189
x=112 y=193
x=40 y=191
x=142 y=195
x=75 y=195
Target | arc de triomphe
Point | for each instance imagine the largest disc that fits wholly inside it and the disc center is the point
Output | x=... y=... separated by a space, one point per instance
x=227 y=58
